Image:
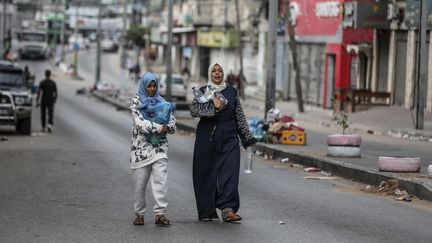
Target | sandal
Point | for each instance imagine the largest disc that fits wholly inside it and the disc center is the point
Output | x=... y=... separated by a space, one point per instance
x=205 y=219
x=228 y=215
x=139 y=220
x=161 y=220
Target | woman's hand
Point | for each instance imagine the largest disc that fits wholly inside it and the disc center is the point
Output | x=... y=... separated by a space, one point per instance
x=219 y=104
x=164 y=130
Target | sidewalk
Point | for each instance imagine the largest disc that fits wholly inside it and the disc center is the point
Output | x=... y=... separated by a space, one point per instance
x=383 y=123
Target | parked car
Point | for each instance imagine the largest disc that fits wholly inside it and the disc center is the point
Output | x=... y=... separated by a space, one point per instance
x=178 y=87
x=15 y=97
x=109 y=45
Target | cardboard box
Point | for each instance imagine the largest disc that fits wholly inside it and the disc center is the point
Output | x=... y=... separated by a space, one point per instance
x=293 y=137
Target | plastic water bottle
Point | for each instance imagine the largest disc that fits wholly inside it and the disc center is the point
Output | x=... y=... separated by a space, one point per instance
x=199 y=96
x=248 y=160
x=218 y=94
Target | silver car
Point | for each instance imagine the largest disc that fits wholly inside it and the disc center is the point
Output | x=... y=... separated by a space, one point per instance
x=178 y=87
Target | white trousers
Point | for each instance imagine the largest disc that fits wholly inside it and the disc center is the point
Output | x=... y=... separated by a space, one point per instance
x=157 y=173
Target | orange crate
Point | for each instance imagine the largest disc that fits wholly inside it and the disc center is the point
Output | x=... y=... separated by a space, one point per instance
x=293 y=137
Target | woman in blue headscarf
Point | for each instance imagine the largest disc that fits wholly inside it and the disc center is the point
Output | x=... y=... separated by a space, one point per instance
x=149 y=151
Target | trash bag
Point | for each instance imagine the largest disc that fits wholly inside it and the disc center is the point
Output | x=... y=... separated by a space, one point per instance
x=159 y=113
x=273 y=115
x=286 y=119
x=257 y=128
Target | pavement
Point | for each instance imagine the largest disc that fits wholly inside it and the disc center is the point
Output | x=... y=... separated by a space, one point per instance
x=389 y=125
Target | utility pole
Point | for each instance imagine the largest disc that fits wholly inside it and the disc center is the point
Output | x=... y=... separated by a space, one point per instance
x=75 y=45
x=240 y=52
x=98 y=45
x=421 y=86
x=169 y=50
x=271 y=56
x=293 y=47
x=62 y=30
x=4 y=24
x=123 y=54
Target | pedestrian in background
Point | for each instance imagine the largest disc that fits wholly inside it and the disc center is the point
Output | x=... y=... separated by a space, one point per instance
x=216 y=159
x=46 y=98
x=149 y=152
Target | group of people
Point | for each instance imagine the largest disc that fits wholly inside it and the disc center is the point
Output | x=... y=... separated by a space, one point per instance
x=216 y=158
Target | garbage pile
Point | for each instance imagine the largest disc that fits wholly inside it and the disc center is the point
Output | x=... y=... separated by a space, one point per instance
x=390 y=187
x=277 y=129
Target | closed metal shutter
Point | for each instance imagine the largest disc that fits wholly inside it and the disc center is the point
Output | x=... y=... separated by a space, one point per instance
x=311 y=63
x=383 y=55
x=401 y=61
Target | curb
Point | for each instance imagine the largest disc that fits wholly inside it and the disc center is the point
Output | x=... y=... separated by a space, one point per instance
x=350 y=171
x=339 y=168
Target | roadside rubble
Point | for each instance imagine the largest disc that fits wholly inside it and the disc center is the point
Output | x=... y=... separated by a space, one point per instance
x=390 y=187
x=410 y=135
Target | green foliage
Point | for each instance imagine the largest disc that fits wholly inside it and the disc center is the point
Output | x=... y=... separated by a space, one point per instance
x=340 y=117
x=136 y=35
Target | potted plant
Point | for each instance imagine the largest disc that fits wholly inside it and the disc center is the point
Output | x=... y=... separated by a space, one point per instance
x=342 y=145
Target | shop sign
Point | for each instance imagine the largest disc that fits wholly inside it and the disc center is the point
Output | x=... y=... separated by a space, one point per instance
x=366 y=14
x=327 y=9
x=217 y=38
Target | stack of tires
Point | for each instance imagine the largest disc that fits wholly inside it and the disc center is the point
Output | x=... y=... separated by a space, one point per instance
x=344 y=145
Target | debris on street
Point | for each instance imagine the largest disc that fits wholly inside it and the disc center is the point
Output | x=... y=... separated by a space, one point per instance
x=326 y=173
x=296 y=166
x=277 y=129
x=312 y=169
x=320 y=178
x=281 y=222
x=390 y=187
x=3 y=139
x=284 y=160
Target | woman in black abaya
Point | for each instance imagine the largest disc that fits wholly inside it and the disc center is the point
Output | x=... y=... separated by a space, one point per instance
x=216 y=160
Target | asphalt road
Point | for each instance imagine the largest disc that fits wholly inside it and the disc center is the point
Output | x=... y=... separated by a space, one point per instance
x=74 y=185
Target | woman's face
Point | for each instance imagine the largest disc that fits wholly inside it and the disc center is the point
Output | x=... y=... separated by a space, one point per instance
x=217 y=74
x=151 y=88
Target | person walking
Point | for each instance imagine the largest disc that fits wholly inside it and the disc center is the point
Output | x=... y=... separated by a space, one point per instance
x=46 y=98
x=216 y=159
x=149 y=151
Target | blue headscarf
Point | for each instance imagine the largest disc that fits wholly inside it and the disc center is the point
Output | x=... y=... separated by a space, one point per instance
x=146 y=100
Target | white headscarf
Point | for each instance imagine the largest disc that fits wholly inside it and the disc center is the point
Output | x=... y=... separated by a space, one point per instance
x=220 y=86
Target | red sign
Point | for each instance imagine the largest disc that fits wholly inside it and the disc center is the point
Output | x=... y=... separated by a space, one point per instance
x=316 y=17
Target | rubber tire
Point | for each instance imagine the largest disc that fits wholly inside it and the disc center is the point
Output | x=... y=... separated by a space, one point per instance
x=399 y=164
x=24 y=126
x=343 y=151
x=344 y=140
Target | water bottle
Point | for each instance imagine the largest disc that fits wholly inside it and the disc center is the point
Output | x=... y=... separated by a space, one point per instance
x=248 y=160
x=199 y=96
x=218 y=94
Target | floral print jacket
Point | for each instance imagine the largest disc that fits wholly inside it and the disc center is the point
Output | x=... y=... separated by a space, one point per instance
x=143 y=152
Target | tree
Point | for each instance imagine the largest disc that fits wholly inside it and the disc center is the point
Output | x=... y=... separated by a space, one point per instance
x=136 y=34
